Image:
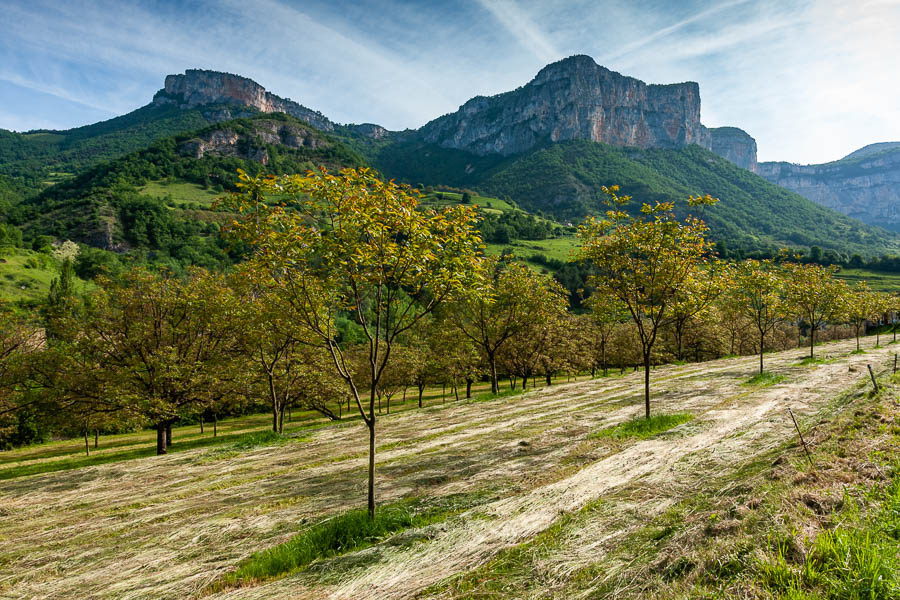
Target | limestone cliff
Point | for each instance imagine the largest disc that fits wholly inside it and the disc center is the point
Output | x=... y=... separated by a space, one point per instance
x=575 y=98
x=199 y=87
x=735 y=145
x=228 y=142
x=865 y=185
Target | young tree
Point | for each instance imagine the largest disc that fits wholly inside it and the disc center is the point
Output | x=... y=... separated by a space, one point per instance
x=695 y=298
x=607 y=313
x=354 y=243
x=645 y=263
x=756 y=293
x=861 y=305
x=815 y=295
x=514 y=299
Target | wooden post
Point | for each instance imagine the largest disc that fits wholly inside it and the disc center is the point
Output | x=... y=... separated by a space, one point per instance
x=872 y=375
x=895 y=363
x=802 y=441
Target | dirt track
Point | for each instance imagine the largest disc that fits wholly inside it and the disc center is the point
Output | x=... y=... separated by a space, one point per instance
x=165 y=527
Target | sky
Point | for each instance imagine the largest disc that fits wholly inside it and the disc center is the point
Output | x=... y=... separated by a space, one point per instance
x=810 y=80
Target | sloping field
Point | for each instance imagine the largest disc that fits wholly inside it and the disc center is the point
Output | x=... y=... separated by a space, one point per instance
x=167 y=527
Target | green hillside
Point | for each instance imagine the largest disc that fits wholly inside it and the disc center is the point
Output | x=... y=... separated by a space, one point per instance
x=33 y=157
x=565 y=179
x=25 y=276
x=157 y=200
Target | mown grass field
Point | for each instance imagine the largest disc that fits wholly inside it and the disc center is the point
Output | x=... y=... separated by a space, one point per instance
x=561 y=248
x=522 y=496
x=181 y=192
x=877 y=280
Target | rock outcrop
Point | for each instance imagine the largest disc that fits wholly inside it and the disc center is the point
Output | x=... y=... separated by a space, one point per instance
x=199 y=87
x=735 y=145
x=865 y=185
x=227 y=142
x=575 y=98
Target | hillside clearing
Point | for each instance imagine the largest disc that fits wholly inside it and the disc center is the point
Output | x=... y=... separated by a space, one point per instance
x=170 y=526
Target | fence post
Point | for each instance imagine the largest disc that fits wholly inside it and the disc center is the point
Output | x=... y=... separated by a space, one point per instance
x=802 y=441
x=872 y=375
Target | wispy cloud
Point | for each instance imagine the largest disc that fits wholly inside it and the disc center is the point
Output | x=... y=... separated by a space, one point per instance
x=522 y=28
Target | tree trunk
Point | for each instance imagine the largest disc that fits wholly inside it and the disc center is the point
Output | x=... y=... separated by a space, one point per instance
x=281 y=420
x=549 y=378
x=421 y=387
x=371 y=504
x=812 y=340
x=404 y=395
x=201 y=424
x=512 y=382
x=87 y=447
x=468 y=388
x=762 y=341
x=168 y=433
x=495 y=385
x=603 y=357
x=443 y=392
x=388 y=405
x=160 y=438
x=524 y=382
x=96 y=438
x=215 y=425
x=456 y=390
x=275 y=410
x=647 y=384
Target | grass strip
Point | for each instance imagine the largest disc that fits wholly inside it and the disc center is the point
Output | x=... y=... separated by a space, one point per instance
x=232 y=442
x=642 y=428
x=764 y=379
x=344 y=533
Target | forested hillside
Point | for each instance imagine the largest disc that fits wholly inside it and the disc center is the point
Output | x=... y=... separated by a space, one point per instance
x=113 y=206
x=564 y=180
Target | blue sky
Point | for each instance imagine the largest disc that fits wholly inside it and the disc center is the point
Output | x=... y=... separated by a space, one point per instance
x=811 y=81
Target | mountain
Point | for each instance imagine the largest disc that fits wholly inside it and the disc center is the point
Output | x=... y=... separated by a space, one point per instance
x=32 y=160
x=865 y=184
x=199 y=87
x=548 y=146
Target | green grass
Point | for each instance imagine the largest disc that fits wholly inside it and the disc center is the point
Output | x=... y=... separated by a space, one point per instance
x=765 y=379
x=877 y=280
x=642 y=428
x=450 y=198
x=561 y=248
x=815 y=360
x=346 y=532
x=181 y=192
x=229 y=442
x=860 y=559
x=25 y=276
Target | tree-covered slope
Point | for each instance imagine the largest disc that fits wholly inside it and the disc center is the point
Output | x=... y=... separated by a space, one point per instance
x=564 y=180
x=123 y=205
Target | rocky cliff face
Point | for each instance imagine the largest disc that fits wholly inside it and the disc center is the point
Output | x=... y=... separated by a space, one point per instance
x=735 y=145
x=866 y=187
x=227 y=142
x=199 y=87
x=575 y=98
